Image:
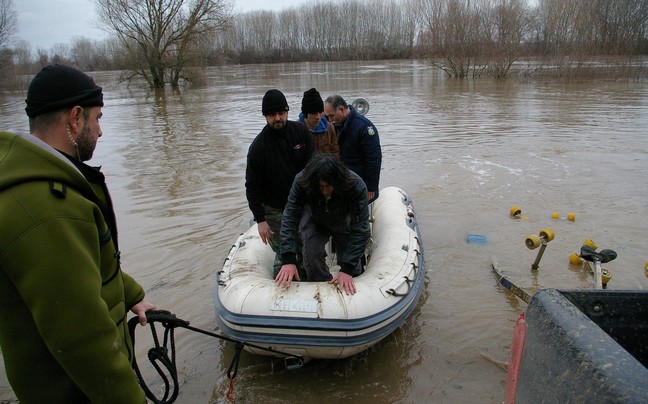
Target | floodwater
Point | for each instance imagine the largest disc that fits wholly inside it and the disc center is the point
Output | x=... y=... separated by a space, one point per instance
x=465 y=151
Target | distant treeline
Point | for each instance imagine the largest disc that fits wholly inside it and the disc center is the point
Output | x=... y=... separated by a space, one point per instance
x=463 y=37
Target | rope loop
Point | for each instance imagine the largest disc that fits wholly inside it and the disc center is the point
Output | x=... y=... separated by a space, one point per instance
x=163 y=356
x=393 y=291
x=158 y=355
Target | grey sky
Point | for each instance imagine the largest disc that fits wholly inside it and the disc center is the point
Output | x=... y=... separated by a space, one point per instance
x=44 y=23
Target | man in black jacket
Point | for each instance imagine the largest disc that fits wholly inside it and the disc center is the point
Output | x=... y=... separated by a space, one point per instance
x=331 y=202
x=276 y=155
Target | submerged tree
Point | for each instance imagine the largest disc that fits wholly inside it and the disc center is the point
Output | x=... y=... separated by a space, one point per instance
x=506 y=24
x=162 y=38
x=8 y=21
x=452 y=36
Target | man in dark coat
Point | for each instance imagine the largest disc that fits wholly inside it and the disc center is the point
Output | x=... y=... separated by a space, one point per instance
x=276 y=155
x=335 y=200
x=358 y=140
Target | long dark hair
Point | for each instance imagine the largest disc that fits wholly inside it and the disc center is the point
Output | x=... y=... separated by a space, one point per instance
x=325 y=167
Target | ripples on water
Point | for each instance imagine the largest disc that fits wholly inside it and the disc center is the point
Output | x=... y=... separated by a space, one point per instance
x=466 y=151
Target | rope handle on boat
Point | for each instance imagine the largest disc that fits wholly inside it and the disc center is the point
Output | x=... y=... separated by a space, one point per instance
x=393 y=292
x=159 y=354
x=408 y=282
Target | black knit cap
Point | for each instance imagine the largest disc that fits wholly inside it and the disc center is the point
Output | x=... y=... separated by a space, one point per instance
x=273 y=101
x=57 y=87
x=312 y=102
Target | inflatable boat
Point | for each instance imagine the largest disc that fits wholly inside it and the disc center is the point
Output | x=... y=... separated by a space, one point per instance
x=314 y=319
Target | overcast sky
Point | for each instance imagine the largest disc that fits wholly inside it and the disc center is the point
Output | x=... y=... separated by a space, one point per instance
x=44 y=23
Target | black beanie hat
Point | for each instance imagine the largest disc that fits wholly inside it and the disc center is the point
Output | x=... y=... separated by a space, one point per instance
x=58 y=86
x=273 y=101
x=312 y=102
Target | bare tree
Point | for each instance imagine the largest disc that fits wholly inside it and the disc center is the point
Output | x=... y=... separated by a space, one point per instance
x=452 y=36
x=461 y=37
x=289 y=35
x=83 y=53
x=560 y=20
x=60 y=53
x=322 y=30
x=42 y=57
x=162 y=37
x=23 y=57
x=8 y=21
x=620 y=25
x=506 y=25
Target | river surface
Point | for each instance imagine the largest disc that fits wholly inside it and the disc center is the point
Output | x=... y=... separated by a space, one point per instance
x=465 y=151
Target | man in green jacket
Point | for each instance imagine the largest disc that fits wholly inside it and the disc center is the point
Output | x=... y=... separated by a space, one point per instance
x=63 y=296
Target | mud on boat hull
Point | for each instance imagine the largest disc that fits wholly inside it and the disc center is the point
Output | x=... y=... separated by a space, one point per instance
x=313 y=319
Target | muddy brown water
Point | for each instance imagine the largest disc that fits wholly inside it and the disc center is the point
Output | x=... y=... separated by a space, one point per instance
x=465 y=151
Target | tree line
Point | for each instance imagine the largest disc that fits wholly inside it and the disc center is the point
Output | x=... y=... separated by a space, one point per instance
x=464 y=38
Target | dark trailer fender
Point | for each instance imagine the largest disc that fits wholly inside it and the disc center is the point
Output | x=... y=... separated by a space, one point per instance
x=581 y=346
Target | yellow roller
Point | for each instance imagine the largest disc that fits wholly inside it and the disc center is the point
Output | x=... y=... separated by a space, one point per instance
x=532 y=242
x=541 y=240
x=590 y=243
x=575 y=259
x=605 y=277
x=547 y=234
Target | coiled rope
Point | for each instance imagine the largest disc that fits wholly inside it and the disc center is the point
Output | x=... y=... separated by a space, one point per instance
x=159 y=354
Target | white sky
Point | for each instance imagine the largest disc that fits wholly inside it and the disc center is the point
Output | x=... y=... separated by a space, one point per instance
x=44 y=23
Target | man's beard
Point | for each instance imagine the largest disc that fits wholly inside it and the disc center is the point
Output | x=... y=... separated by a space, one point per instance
x=278 y=125
x=85 y=144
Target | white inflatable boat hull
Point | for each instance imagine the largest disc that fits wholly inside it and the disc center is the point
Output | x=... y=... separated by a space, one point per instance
x=314 y=319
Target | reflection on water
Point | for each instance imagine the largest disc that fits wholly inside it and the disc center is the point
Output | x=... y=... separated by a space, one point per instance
x=465 y=151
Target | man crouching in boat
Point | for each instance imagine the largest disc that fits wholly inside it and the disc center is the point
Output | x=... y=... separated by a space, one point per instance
x=331 y=202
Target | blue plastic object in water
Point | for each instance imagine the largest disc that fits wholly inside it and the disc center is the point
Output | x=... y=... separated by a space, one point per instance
x=476 y=239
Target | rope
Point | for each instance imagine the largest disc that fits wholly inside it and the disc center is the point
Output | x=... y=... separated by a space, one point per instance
x=232 y=371
x=159 y=354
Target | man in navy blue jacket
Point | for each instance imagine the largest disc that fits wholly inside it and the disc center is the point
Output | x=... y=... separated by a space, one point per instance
x=358 y=140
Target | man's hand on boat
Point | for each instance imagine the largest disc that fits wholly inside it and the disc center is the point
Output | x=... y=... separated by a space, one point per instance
x=344 y=283
x=265 y=232
x=286 y=274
